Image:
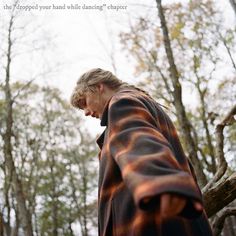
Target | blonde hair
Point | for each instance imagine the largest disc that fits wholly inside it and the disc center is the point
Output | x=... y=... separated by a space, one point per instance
x=88 y=82
x=90 y=79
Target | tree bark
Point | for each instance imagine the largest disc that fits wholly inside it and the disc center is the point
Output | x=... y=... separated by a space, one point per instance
x=220 y=196
x=218 y=223
x=222 y=164
x=1 y=224
x=230 y=224
x=177 y=95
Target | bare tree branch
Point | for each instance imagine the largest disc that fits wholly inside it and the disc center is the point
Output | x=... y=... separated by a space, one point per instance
x=228 y=48
x=177 y=94
x=220 y=195
x=22 y=88
x=218 y=223
x=222 y=164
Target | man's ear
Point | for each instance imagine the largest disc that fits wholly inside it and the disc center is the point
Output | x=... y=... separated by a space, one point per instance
x=101 y=87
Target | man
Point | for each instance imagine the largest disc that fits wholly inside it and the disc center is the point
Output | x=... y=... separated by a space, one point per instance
x=146 y=185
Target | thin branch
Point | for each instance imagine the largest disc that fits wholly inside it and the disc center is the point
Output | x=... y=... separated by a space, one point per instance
x=25 y=86
x=22 y=88
x=162 y=75
x=110 y=53
x=222 y=164
x=228 y=51
x=202 y=94
x=152 y=62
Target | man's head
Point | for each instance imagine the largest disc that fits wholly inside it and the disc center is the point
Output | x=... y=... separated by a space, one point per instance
x=93 y=90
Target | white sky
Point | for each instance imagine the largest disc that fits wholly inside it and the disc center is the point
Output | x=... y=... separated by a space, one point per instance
x=83 y=37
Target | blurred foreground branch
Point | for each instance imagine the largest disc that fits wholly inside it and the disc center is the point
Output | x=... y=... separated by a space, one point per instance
x=218 y=223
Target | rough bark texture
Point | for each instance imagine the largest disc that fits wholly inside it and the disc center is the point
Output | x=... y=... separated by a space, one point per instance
x=218 y=223
x=220 y=196
x=1 y=225
x=218 y=193
x=177 y=95
x=16 y=183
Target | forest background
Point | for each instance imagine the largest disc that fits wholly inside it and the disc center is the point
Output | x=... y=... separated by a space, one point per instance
x=182 y=52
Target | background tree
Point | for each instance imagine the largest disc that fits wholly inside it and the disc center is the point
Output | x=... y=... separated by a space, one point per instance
x=186 y=55
x=179 y=60
x=39 y=137
x=56 y=165
x=12 y=177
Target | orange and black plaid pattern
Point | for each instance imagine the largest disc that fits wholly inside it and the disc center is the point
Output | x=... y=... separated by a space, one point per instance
x=141 y=157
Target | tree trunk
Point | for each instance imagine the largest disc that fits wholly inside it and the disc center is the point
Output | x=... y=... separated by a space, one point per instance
x=54 y=198
x=16 y=183
x=1 y=225
x=177 y=97
x=85 y=215
x=233 y=4
x=230 y=226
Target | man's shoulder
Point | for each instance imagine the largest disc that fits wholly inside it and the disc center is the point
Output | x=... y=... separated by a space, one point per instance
x=128 y=94
x=129 y=97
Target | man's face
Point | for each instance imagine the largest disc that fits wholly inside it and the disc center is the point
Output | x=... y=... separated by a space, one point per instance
x=93 y=103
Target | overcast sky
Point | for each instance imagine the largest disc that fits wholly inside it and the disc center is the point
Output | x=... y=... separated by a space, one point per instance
x=83 y=38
